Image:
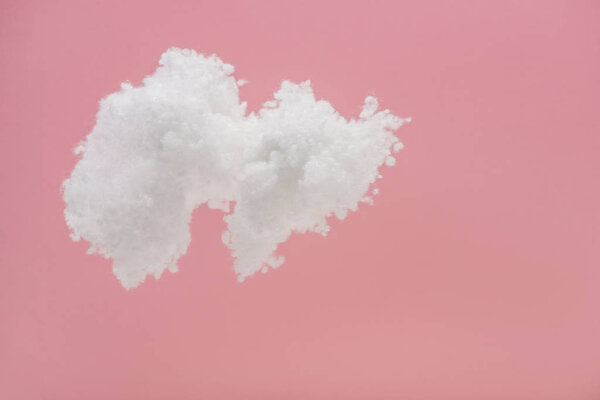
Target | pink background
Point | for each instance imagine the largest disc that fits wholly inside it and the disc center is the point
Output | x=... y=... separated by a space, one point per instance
x=475 y=275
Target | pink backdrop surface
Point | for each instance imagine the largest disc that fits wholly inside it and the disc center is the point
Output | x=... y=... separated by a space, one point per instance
x=474 y=276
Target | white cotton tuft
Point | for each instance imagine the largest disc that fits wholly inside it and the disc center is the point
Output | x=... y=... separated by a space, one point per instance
x=183 y=139
x=398 y=146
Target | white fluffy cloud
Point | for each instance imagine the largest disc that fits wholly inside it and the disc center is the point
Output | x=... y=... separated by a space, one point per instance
x=183 y=139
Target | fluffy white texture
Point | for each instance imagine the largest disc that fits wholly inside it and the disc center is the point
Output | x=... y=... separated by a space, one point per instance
x=183 y=139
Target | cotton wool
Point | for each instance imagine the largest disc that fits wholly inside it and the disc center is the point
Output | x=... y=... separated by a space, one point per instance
x=183 y=139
